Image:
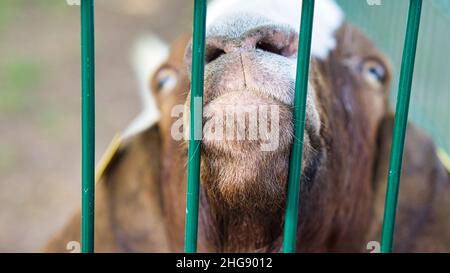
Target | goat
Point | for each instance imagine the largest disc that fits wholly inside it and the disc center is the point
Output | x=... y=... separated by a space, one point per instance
x=250 y=61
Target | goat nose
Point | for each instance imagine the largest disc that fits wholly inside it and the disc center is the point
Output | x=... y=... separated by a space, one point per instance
x=275 y=39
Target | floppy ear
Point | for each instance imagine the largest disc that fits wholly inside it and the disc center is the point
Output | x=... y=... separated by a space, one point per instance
x=424 y=185
x=128 y=210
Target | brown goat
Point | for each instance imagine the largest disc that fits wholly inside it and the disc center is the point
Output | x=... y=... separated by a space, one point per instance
x=141 y=199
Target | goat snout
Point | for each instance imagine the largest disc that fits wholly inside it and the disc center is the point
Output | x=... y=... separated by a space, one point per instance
x=260 y=59
x=275 y=39
x=251 y=60
x=249 y=83
x=251 y=68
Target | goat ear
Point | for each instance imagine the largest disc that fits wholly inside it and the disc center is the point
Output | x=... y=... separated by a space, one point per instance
x=420 y=160
x=383 y=149
x=423 y=177
x=135 y=173
x=127 y=201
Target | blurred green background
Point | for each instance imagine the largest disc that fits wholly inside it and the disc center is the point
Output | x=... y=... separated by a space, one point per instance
x=40 y=92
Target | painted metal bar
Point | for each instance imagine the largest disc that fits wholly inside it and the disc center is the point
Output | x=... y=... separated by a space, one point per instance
x=88 y=126
x=400 y=124
x=195 y=126
x=301 y=89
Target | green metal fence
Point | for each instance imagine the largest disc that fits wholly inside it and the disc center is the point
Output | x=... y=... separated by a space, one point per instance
x=301 y=89
x=88 y=125
x=195 y=125
x=193 y=183
x=401 y=120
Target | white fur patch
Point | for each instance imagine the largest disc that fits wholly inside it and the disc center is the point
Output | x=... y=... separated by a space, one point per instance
x=328 y=17
x=148 y=54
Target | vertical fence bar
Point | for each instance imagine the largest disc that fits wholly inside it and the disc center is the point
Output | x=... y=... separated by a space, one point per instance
x=195 y=126
x=88 y=125
x=400 y=123
x=301 y=89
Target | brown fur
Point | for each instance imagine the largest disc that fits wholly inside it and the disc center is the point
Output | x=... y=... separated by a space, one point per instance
x=141 y=202
x=423 y=208
x=127 y=215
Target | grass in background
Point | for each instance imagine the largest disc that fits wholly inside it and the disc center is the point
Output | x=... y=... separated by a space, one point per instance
x=9 y=9
x=20 y=75
x=17 y=80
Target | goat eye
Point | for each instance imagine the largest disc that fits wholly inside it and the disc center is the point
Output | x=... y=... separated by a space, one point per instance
x=373 y=72
x=166 y=80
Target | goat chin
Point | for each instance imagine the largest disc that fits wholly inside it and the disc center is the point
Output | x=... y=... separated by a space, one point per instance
x=245 y=152
x=250 y=182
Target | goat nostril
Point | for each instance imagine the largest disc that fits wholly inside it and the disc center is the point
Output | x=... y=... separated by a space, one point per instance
x=213 y=54
x=268 y=47
x=273 y=48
